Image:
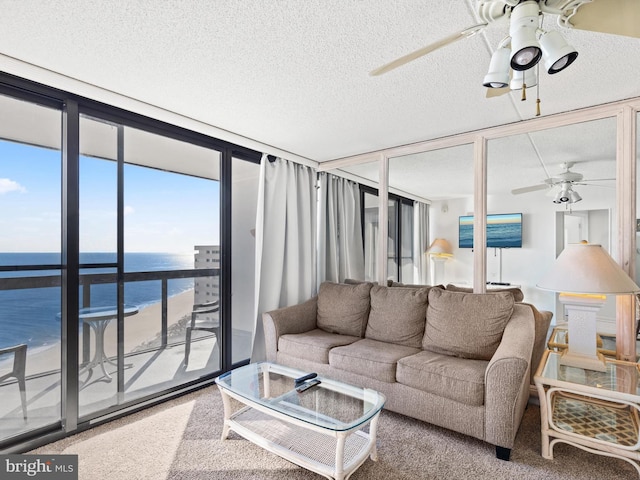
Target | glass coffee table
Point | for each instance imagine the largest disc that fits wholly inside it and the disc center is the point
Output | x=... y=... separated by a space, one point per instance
x=327 y=427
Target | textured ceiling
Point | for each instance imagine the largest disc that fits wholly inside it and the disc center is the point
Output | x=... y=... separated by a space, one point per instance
x=293 y=74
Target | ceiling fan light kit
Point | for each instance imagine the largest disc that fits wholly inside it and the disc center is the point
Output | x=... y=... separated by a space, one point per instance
x=527 y=50
x=522 y=30
x=498 y=76
x=567 y=195
x=566 y=180
x=527 y=77
x=574 y=196
x=528 y=43
x=557 y=54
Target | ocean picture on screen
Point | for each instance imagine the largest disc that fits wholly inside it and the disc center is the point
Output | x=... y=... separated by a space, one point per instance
x=504 y=230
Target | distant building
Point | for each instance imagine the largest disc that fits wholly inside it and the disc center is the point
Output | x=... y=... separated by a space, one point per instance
x=207 y=289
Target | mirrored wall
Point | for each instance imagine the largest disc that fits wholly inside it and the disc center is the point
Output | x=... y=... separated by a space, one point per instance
x=541 y=183
x=546 y=189
x=366 y=175
x=442 y=180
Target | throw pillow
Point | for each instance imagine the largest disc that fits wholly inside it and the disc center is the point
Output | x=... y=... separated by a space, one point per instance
x=467 y=325
x=343 y=308
x=398 y=315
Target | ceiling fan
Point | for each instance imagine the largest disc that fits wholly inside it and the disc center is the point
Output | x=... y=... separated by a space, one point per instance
x=527 y=43
x=565 y=180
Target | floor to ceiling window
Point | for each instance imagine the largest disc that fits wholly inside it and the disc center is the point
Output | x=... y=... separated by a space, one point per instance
x=114 y=288
x=30 y=270
x=149 y=225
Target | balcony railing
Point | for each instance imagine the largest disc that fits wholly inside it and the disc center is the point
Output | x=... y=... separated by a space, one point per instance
x=87 y=281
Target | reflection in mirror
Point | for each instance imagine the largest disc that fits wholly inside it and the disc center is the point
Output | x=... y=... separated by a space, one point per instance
x=349 y=203
x=562 y=181
x=435 y=189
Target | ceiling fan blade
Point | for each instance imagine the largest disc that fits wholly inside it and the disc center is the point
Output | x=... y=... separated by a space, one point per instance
x=618 y=17
x=594 y=185
x=532 y=188
x=468 y=32
x=596 y=180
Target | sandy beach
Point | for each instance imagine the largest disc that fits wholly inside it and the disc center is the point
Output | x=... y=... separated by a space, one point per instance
x=141 y=328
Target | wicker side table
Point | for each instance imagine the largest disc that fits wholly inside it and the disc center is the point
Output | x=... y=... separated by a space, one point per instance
x=598 y=412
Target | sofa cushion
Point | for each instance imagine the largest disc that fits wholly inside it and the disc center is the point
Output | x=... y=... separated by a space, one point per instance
x=370 y=358
x=467 y=325
x=518 y=296
x=398 y=315
x=342 y=308
x=458 y=379
x=313 y=345
x=353 y=281
x=393 y=283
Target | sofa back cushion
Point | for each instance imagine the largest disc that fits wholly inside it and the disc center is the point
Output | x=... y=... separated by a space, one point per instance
x=343 y=308
x=393 y=283
x=398 y=315
x=354 y=281
x=466 y=325
x=518 y=296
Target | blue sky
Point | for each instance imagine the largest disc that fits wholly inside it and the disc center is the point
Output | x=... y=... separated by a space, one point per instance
x=164 y=212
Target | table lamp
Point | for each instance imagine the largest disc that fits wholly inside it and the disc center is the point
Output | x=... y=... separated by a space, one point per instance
x=439 y=251
x=584 y=274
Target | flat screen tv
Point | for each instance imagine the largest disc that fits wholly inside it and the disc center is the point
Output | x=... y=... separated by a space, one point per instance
x=504 y=230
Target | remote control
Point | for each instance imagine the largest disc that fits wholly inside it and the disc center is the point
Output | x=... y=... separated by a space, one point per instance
x=304 y=378
x=307 y=385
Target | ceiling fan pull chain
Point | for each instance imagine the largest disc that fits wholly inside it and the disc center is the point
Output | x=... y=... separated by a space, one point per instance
x=538 y=90
x=524 y=92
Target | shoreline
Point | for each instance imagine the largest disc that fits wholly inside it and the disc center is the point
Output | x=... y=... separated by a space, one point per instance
x=139 y=329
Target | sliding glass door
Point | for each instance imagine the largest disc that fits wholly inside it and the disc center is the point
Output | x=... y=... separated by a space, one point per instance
x=126 y=261
x=30 y=267
x=150 y=311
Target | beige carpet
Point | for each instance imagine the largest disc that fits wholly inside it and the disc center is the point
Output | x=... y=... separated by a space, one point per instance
x=180 y=440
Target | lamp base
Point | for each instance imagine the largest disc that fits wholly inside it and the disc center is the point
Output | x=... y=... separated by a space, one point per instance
x=581 y=313
x=587 y=362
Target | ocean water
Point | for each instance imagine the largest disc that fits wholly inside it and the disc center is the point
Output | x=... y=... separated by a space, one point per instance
x=31 y=315
x=499 y=235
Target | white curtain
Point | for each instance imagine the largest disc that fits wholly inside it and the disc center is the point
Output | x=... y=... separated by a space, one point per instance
x=420 y=242
x=285 y=240
x=340 y=249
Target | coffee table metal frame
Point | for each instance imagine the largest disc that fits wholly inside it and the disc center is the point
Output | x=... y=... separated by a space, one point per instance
x=334 y=452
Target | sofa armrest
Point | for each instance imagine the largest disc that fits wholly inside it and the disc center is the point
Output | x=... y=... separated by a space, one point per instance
x=507 y=379
x=542 y=321
x=294 y=319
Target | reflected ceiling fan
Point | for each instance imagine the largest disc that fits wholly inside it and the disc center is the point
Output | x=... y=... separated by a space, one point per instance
x=565 y=181
x=527 y=43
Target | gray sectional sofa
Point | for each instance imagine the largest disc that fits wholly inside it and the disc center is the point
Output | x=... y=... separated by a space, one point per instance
x=459 y=360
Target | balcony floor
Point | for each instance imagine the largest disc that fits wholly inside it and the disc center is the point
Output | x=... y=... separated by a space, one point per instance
x=145 y=373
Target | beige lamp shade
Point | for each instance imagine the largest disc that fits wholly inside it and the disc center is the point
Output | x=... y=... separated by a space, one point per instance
x=587 y=269
x=440 y=248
